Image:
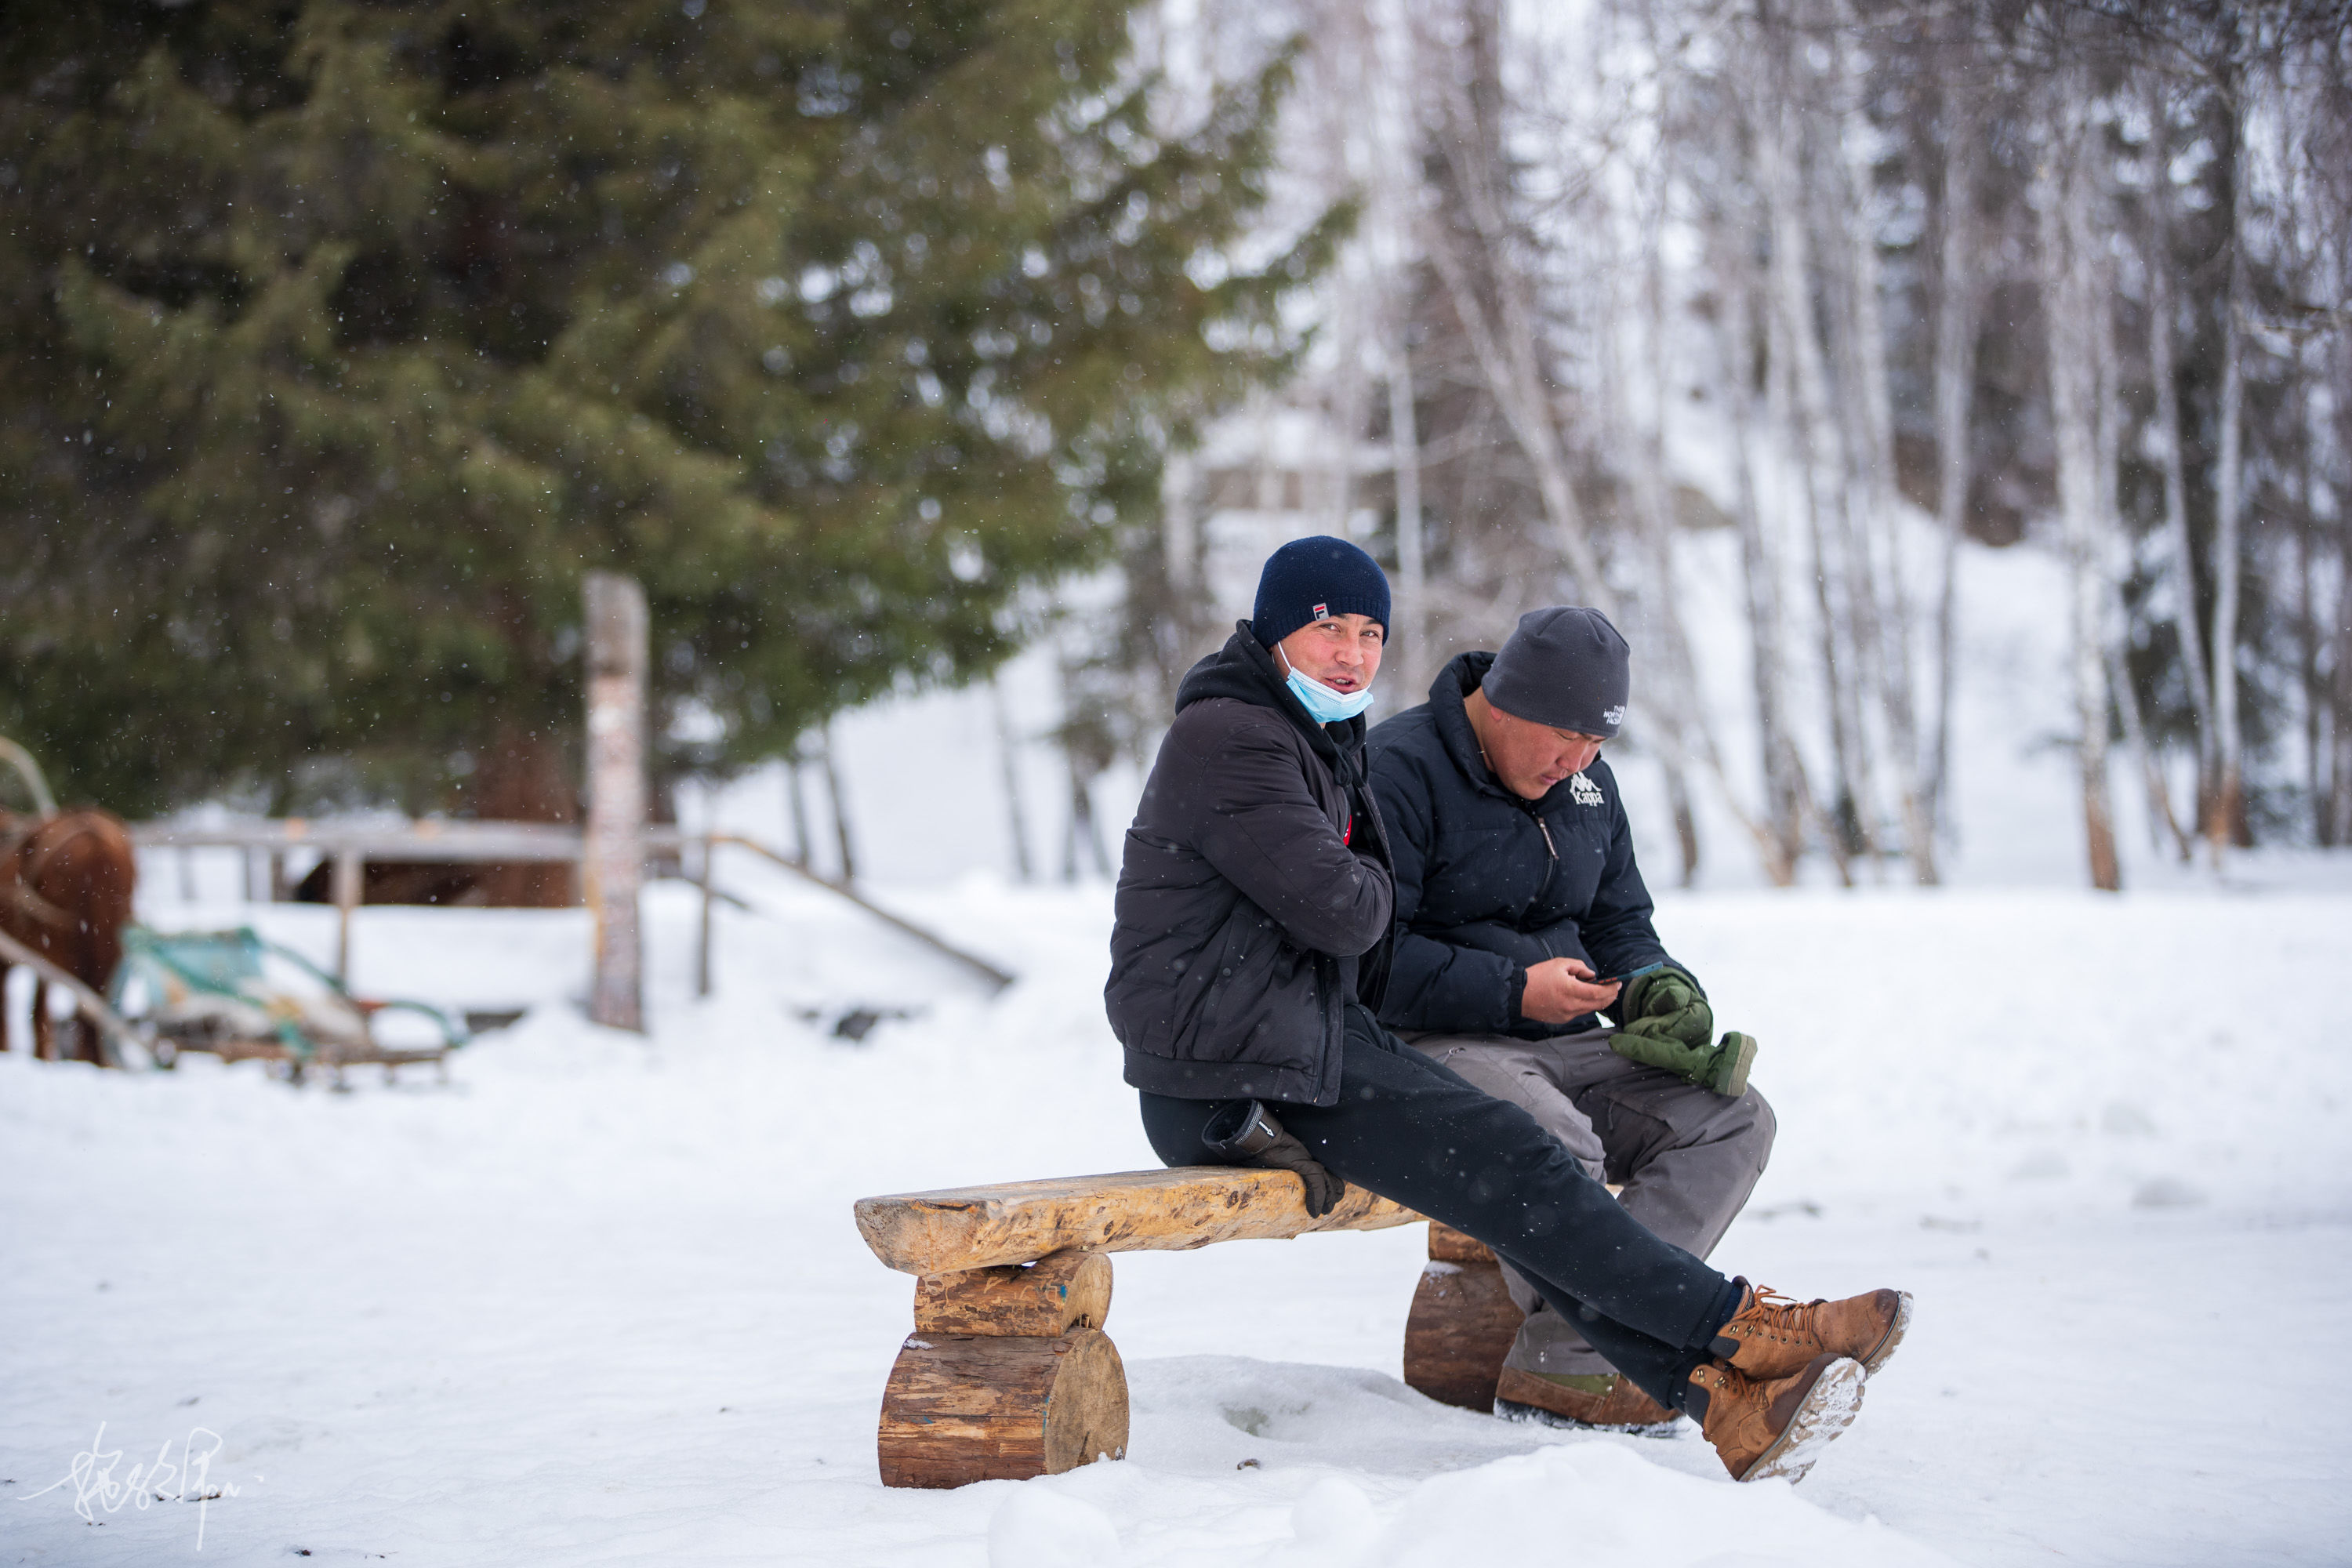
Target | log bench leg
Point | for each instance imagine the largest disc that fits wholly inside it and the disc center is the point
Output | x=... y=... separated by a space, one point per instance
x=1008 y=1374
x=1461 y=1323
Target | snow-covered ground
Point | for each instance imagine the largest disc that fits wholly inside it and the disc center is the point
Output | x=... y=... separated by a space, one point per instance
x=600 y=1302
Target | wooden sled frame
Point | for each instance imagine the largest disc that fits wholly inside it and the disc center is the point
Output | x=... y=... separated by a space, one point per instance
x=1009 y=1374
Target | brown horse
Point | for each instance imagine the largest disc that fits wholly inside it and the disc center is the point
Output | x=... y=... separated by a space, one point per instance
x=66 y=882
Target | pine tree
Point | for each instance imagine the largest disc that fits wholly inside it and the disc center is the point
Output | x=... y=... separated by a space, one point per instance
x=338 y=339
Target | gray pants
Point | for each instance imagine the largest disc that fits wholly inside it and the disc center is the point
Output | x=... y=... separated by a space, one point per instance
x=1687 y=1157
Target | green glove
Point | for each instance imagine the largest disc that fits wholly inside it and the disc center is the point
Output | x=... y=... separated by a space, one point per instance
x=1722 y=1067
x=1665 y=1002
x=1669 y=1025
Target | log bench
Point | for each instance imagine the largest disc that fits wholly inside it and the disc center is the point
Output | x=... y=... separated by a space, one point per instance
x=1009 y=1374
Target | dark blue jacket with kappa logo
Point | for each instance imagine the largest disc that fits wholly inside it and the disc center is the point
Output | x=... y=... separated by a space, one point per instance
x=1488 y=884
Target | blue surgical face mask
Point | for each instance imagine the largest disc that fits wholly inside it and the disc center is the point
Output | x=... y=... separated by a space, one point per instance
x=1324 y=705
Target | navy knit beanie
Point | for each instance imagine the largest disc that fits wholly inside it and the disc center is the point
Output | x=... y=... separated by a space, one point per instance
x=1314 y=579
x=1564 y=667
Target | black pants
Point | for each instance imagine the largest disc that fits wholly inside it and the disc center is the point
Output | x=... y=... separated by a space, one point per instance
x=1419 y=1134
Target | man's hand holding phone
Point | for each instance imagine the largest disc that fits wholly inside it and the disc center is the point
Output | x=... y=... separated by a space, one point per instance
x=1559 y=989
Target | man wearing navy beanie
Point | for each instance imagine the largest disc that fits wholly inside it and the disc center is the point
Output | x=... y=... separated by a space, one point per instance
x=1521 y=917
x=1251 y=949
x=1317 y=579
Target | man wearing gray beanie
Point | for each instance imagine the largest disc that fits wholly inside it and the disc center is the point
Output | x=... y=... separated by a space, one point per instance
x=1520 y=918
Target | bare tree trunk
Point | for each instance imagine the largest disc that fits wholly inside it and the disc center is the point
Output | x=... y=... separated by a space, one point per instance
x=614 y=855
x=1368 y=134
x=1412 y=572
x=1008 y=758
x=838 y=799
x=2108 y=377
x=1647 y=444
x=796 y=798
x=1488 y=284
x=1346 y=400
x=2307 y=617
x=2160 y=327
x=1679 y=801
x=1507 y=360
x=2340 y=713
x=1823 y=466
x=1785 y=419
x=1080 y=833
x=2340 y=772
x=1503 y=334
x=2162 y=823
x=1176 y=618
x=1955 y=388
x=1882 y=622
x=1784 y=809
x=2224 y=822
x=2059 y=187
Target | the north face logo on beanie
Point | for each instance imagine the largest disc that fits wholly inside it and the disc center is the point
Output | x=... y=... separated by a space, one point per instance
x=1564 y=666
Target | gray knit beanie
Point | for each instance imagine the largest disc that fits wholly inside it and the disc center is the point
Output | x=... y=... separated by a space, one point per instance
x=1565 y=667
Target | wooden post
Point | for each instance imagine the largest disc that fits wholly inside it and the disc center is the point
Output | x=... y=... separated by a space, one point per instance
x=1461 y=1323
x=347 y=882
x=614 y=854
x=1007 y=1376
x=1049 y=1297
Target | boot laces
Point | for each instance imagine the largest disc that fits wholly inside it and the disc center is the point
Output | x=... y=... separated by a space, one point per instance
x=1772 y=1310
x=1721 y=1375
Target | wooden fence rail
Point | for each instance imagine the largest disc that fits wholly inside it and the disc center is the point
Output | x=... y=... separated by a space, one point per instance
x=349 y=845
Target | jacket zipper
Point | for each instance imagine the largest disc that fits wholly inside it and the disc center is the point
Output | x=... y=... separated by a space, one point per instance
x=1553 y=850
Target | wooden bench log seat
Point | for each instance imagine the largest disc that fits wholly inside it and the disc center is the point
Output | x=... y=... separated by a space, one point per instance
x=1009 y=1374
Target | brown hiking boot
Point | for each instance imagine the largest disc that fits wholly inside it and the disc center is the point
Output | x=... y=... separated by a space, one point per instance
x=1771 y=1336
x=1604 y=1402
x=1765 y=1429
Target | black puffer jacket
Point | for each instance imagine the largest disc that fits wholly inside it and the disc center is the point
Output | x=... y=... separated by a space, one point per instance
x=1253 y=895
x=1488 y=884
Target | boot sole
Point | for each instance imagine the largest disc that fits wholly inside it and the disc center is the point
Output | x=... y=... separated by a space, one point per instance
x=1536 y=1415
x=1895 y=1333
x=1827 y=1410
x=1734 y=1083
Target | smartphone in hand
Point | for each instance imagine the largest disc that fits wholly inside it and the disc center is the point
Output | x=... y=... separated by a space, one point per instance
x=1620 y=979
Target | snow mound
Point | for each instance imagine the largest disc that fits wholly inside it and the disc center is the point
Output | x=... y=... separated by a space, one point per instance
x=1290 y=1465
x=1041 y=1529
x=1597 y=1506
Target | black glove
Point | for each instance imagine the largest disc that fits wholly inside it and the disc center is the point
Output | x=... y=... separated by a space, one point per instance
x=1245 y=1133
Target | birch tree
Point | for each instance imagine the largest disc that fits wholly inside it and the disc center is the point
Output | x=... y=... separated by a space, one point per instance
x=1953 y=373
x=2162 y=324
x=2061 y=195
x=2225 y=812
